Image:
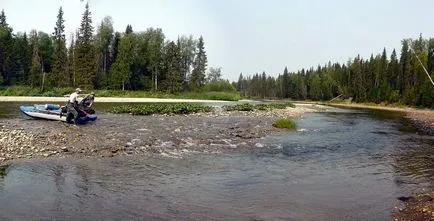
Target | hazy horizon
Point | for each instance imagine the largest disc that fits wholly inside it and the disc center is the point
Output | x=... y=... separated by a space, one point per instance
x=250 y=36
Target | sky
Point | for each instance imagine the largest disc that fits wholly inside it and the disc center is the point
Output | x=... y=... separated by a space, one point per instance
x=250 y=36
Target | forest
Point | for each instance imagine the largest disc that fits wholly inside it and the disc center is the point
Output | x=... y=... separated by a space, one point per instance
x=98 y=57
x=378 y=79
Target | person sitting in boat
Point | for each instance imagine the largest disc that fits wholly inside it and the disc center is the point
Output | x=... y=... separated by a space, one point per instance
x=86 y=103
x=88 y=100
x=72 y=105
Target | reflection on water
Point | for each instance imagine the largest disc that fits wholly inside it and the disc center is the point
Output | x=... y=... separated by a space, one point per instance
x=343 y=165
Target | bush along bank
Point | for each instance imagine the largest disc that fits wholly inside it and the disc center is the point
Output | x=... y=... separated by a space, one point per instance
x=251 y=107
x=149 y=109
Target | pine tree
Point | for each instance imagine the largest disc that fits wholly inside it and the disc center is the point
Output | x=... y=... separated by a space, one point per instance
x=114 y=48
x=430 y=65
x=85 y=52
x=3 y=22
x=285 y=83
x=240 y=83
x=403 y=78
x=129 y=29
x=393 y=72
x=59 y=77
x=199 y=66
x=384 y=85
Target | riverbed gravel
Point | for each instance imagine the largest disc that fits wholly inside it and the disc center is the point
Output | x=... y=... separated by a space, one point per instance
x=124 y=134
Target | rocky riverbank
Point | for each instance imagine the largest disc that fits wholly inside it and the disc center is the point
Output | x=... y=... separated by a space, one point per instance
x=423 y=119
x=123 y=134
x=418 y=207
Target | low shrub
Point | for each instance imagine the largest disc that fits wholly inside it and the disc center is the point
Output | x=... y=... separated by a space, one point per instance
x=285 y=123
x=149 y=109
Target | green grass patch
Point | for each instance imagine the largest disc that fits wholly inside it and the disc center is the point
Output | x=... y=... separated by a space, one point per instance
x=239 y=107
x=285 y=123
x=251 y=107
x=149 y=109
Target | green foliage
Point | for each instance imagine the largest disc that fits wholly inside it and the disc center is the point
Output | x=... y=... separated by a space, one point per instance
x=239 y=107
x=220 y=85
x=3 y=170
x=149 y=109
x=173 y=76
x=121 y=69
x=212 y=95
x=285 y=123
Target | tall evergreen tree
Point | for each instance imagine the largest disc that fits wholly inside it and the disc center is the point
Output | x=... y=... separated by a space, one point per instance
x=393 y=71
x=285 y=83
x=3 y=22
x=403 y=78
x=59 y=74
x=85 y=52
x=431 y=56
x=199 y=66
x=129 y=29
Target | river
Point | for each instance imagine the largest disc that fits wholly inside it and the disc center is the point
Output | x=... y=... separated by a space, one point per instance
x=340 y=165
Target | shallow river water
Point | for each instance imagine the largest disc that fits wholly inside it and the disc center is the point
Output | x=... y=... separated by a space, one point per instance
x=340 y=165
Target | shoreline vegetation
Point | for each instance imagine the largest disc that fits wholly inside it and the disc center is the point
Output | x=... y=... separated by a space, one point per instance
x=18 y=92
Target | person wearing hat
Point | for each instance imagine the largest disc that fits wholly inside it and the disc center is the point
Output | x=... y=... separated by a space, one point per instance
x=72 y=105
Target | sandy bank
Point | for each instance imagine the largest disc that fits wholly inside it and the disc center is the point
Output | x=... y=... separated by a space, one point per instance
x=107 y=100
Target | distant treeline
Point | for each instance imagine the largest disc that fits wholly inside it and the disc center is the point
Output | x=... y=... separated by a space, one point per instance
x=377 y=79
x=103 y=59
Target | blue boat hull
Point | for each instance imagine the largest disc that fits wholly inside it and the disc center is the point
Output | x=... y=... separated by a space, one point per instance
x=52 y=112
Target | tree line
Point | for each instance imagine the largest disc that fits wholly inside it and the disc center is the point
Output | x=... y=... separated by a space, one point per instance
x=101 y=58
x=379 y=78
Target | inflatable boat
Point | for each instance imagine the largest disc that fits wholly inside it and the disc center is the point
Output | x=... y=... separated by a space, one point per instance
x=54 y=112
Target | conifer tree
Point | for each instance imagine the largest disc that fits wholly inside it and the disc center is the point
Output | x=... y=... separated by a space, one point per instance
x=85 y=52
x=60 y=77
x=199 y=66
